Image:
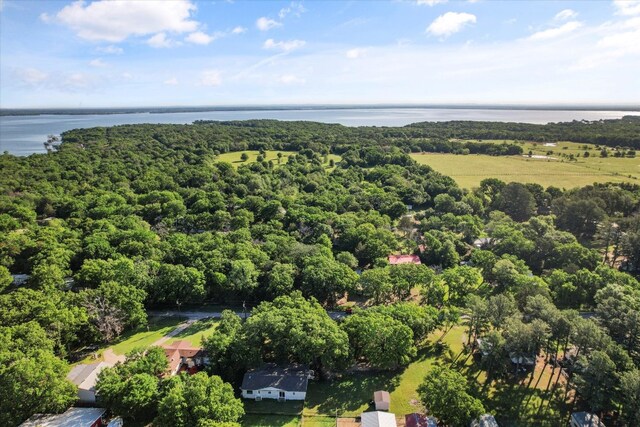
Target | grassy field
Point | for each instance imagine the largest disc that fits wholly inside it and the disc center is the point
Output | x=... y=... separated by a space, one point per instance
x=469 y=170
x=256 y=420
x=195 y=332
x=234 y=157
x=141 y=337
x=533 y=400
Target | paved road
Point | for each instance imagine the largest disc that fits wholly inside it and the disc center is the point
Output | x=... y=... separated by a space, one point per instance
x=194 y=315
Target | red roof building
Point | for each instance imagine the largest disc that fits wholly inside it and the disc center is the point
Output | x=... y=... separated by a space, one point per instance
x=404 y=259
x=182 y=353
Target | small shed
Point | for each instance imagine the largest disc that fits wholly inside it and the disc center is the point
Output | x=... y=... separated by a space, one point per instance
x=382 y=400
x=585 y=419
x=378 y=419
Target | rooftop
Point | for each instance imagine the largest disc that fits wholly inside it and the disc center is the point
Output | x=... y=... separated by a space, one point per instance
x=486 y=420
x=381 y=396
x=378 y=419
x=419 y=420
x=74 y=417
x=291 y=378
x=586 y=419
x=85 y=376
x=404 y=259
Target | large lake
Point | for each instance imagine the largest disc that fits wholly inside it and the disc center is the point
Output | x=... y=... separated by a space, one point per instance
x=23 y=135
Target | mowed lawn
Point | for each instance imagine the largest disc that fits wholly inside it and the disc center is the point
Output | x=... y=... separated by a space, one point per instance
x=234 y=157
x=532 y=400
x=469 y=170
x=196 y=331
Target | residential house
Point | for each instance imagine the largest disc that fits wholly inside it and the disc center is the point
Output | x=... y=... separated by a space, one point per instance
x=404 y=259
x=382 y=400
x=419 y=420
x=378 y=419
x=183 y=355
x=585 y=419
x=274 y=382
x=73 y=417
x=85 y=378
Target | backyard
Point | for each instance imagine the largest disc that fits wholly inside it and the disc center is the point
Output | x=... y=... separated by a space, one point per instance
x=537 y=399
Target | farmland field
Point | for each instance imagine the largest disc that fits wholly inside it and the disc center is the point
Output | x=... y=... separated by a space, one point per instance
x=469 y=170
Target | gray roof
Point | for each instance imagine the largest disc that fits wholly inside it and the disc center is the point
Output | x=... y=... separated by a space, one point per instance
x=586 y=419
x=85 y=376
x=74 y=417
x=292 y=378
x=486 y=420
x=378 y=419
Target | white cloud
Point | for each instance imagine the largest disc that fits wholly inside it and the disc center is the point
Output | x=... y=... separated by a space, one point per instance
x=111 y=50
x=239 y=30
x=296 y=8
x=291 y=79
x=160 y=40
x=565 y=14
x=99 y=63
x=32 y=76
x=210 y=78
x=199 y=38
x=115 y=21
x=450 y=23
x=285 y=46
x=355 y=53
x=553 y=33
x=171 y=82
x=265 y=24
x=627 y=7
x=430 y=2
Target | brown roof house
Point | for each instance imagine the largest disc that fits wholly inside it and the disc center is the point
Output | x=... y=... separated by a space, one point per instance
x=404 y=259
x=382 y=400
x=184 y=356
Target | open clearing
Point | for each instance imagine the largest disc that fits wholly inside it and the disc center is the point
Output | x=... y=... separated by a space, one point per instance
x=234 y=157
x=196 y=331
x=469 y=170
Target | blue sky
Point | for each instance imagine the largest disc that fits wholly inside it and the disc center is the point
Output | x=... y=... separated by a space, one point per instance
x=152 y=53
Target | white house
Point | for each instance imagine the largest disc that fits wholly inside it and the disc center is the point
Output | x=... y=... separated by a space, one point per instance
x=274 y=382
x=85 y=378
x=378 y=419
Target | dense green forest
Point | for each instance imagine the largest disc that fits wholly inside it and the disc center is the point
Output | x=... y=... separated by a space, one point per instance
x=123 y=219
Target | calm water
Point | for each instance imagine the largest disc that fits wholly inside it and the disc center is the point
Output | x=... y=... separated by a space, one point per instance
x=23 y=135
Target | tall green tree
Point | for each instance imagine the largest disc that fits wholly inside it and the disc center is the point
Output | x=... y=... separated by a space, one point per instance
x=445 y=394
x=191 y=400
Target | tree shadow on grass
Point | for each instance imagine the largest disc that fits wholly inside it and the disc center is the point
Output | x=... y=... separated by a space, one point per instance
x=195 y=327
x=349 y=393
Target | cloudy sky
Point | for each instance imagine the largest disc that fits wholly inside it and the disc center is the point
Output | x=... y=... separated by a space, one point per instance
x=150 y=53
